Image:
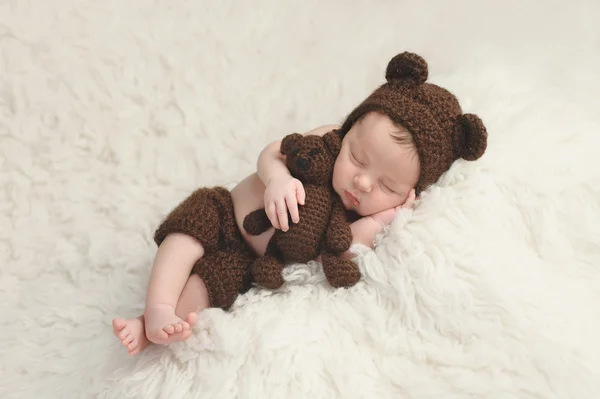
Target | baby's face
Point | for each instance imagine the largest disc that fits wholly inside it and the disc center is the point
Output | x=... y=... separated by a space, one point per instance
x=373 y=173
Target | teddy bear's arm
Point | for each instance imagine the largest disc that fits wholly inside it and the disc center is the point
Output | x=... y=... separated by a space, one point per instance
x=339 y=234
x=257 y=222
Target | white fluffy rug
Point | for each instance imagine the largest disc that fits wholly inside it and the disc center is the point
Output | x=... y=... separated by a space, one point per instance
x=111 y=112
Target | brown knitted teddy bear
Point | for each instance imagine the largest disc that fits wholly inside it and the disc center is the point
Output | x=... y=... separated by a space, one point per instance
x=323 y=228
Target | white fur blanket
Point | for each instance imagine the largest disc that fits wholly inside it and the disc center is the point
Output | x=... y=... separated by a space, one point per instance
x=111 y=112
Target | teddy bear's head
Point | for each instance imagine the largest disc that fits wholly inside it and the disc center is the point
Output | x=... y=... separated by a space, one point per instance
x=310 y=158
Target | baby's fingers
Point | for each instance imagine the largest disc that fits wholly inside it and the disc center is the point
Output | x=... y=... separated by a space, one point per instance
x=282 y=215
x=271 y=211
x=300 y=194
x=293 y=207
x=409 y=200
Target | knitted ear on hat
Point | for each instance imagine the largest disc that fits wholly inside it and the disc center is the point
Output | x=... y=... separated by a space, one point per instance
x=333 y=142
x=288 y=143
x=470 y=139
x=407 y=67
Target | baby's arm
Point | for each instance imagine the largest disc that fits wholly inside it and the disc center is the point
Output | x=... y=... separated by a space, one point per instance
x=271 y=163
x=365 y=229
x=283 y=192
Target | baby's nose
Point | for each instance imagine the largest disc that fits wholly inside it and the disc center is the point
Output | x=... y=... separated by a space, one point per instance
x=363 y=183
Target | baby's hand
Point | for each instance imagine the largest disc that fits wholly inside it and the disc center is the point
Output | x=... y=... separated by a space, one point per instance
x=387 y=217
x=409 y=201
x=282 y=194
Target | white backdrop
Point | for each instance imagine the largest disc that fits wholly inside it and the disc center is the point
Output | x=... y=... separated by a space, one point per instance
x=112 y=112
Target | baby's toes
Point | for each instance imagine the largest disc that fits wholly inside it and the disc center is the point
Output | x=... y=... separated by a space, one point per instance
x=128 y=339
x=159 y=334
x=191 y=319
x=178 y=327
x=132 y=345
x=124 y=333
x=184 y=325
x=134 y=351
x=169 y=329
x=119 y=324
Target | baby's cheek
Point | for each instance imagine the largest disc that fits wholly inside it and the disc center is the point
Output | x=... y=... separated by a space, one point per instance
x=336 y=178
x=344 y=173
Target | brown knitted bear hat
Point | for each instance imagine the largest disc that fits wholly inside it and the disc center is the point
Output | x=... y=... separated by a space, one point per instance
x=441 y=132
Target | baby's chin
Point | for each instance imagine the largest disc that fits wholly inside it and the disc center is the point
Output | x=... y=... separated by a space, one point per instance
x=354 y=208
x=359 y=213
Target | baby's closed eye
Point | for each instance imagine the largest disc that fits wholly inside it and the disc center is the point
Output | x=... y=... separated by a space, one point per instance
x=386 y=188
x=355 y=159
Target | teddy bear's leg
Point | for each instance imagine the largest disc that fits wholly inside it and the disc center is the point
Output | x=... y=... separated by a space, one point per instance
x=266 y=270
x=339 y=233
x=226 y=274
x=339 y=272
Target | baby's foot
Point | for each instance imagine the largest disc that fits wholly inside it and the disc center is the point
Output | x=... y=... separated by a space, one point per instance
x=163 y=326
x=131 y=333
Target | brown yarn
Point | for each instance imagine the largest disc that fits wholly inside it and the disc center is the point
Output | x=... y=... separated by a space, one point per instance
x=207 y=215
x=322 y=229
x=442 y=134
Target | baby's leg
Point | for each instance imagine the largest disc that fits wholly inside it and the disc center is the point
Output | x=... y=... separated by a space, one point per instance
x=132 y=333
x=194 y=297
x=173 y=263
x=176 y=324
x=205 y=217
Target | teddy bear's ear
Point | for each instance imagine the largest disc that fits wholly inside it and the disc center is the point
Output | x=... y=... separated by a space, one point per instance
x=333 y=141
x=407 y=67
x=288 y=143
x=470 y=139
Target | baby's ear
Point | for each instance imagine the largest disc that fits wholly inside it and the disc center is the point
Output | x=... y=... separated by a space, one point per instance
x=289 y=142
x=470 y=139
x=333 y=142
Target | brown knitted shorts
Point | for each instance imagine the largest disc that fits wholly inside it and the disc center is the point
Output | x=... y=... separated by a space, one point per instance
x=207 y=215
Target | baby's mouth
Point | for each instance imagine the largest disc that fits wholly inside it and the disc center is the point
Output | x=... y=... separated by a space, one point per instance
x=352 y=198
